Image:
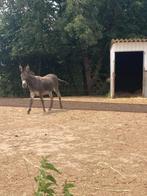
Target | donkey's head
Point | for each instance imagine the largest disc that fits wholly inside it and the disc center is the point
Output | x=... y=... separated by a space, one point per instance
x=25 y=71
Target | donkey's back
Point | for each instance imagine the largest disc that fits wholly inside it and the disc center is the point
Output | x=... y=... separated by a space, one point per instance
x=48 y=82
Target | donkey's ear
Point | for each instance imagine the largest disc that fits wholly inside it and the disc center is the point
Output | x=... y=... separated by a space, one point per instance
x=28 y=68
x=20 y=68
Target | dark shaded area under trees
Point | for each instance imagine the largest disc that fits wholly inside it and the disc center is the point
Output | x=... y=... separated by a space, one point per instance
x=70 y=38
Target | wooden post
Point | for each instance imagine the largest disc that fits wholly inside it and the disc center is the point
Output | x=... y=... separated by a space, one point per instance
x=112 y=73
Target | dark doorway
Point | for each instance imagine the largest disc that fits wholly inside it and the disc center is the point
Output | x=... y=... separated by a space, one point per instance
x=128 y=72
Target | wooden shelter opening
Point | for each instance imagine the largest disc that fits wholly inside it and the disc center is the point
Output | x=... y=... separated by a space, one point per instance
x=128 y=72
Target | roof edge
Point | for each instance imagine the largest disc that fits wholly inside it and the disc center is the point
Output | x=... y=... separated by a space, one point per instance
x=113 y=41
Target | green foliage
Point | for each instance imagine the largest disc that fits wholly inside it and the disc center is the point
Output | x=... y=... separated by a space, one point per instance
x=10 y=84
x=66 y=189
x=46 y=182
x=5 y=86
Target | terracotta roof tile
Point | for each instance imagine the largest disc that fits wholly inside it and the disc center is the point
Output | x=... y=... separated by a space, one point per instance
x=128 y=40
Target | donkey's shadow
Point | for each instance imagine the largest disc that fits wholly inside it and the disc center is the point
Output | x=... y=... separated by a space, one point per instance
x=55 y=111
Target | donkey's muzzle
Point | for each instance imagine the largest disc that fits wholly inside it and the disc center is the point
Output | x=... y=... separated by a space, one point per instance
x=24 y=84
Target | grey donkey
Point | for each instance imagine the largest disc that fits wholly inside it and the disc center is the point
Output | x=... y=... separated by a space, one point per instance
x=40 y=86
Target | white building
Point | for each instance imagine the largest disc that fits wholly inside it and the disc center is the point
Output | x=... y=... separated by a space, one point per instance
x=128 y=66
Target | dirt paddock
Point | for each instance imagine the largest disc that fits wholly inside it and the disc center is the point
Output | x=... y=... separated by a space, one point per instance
x=98 y=143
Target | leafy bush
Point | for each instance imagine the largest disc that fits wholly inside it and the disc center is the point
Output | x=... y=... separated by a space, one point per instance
x=46 y=182
x=5 y=86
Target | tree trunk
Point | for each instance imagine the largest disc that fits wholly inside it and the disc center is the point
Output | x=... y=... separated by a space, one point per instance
x=87 y=75
x=39 y=65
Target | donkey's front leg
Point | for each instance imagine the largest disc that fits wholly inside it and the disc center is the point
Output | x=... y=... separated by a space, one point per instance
x=43 y=106
x=31 y=102
x=30 y=105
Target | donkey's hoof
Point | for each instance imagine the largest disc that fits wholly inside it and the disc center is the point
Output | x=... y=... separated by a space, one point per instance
x=28 y=112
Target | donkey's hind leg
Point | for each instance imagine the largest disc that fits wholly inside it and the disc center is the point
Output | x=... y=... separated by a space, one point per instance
x=59 y=96
x=51 y=100
x=43 y=106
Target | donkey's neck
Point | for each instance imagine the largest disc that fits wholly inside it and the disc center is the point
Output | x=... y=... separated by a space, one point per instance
x=31 y=81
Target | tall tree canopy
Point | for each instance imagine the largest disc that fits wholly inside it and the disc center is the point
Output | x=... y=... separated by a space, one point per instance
x=67 y=37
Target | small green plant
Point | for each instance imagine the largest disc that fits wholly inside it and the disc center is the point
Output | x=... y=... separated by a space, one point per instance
x=46 y=182
x=66 y=189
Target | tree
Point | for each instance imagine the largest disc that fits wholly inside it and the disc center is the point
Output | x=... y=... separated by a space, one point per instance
x=82 y=31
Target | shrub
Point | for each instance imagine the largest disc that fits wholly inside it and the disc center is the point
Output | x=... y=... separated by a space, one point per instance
x=46 y=182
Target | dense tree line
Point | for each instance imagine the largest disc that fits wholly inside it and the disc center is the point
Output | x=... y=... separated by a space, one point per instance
x=68 y=37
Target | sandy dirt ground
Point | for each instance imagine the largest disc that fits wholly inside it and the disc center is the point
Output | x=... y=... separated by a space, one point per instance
x=100 y=144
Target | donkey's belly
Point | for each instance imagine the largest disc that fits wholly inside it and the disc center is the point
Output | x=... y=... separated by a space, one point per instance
x=36 y=93
x=45 y=93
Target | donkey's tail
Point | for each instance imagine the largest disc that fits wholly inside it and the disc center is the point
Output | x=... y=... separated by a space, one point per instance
x=63 y=81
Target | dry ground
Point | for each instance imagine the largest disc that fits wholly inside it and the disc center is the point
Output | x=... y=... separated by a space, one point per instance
x=98 y=143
